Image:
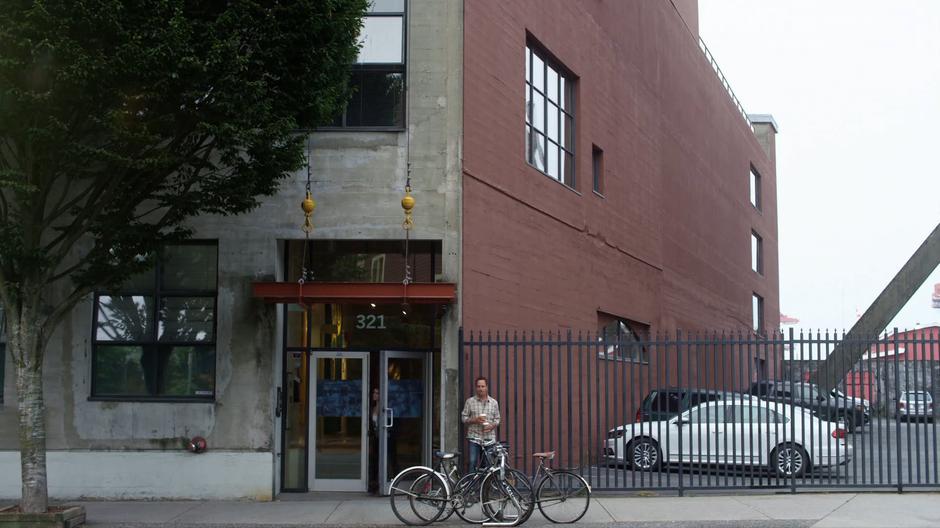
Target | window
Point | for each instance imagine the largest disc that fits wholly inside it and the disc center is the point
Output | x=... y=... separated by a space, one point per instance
x=622 y=339
x=378 y=76
x=755 y=189
x=711 y=414
x=667 y=401
x=754 y=415
x=597 y=168
x=757 y=253
x=3 y=351
x=155 y=337
x=549 y=118
x=757 y=313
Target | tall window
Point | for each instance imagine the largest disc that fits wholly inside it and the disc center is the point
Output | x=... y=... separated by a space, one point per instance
x=378 y=76
x=3 y=351
x=757 y=253
x=549 y=119
x=155 y=337
x=757 y=313
x=597 y=168
x=755 y=189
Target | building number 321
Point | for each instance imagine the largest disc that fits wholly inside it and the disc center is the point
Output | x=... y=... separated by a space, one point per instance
x=370 y=322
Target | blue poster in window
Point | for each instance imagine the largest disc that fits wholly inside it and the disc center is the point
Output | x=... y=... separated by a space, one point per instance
x=339 y=397
x=406 y=397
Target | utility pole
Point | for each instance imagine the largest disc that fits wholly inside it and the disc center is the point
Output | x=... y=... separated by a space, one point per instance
x=895 y=295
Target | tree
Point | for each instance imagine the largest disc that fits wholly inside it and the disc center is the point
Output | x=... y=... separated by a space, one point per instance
x=121 y=119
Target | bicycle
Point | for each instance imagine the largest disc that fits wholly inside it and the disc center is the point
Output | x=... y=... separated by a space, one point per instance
x=562 y=495
x=421 y=495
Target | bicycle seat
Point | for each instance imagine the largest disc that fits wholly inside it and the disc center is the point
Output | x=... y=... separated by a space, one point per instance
x=548 y=454
x=443 y=455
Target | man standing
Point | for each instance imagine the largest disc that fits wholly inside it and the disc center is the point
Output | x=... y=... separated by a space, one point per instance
x=481 y=416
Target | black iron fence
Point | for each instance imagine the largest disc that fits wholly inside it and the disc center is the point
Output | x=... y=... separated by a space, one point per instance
x=716 y=410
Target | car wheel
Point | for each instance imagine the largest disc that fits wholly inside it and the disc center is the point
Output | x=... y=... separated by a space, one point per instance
x=644 y=454
x=789 y=461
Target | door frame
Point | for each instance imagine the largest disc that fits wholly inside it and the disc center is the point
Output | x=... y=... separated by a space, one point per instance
x=337 y=484
x=384 y=478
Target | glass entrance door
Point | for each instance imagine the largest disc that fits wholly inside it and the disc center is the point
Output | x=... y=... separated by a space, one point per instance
x=339 y=424
x=404 y=432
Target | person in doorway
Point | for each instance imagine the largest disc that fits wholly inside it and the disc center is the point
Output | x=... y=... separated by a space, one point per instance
x=374 y=441
x=481 y=416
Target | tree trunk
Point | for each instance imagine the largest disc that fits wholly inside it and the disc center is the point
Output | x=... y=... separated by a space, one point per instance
x=26 y=345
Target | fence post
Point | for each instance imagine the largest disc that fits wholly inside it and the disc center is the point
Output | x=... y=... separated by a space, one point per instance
x=570 y=400
x=897 y=416
x=460 y=376
x=792 y=406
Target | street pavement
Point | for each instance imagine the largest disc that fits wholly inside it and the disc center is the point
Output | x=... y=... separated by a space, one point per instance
x=816 y=510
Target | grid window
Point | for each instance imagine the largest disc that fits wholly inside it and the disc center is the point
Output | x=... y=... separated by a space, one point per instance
x=623 y=339
x=757 y=313
x=155 y=337
x=549 y=121
x=377 y=78
x=755 y=189
x=757 y=253
x=597 y=168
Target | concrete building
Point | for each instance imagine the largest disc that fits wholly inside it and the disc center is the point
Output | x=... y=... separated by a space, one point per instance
x=602 y=173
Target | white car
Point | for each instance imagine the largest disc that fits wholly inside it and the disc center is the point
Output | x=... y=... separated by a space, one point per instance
x=748 y=432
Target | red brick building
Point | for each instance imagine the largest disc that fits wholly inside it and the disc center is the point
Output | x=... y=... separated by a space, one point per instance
x=650 y=213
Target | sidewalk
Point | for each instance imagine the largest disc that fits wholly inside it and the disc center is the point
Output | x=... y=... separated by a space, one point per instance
x=817 y=510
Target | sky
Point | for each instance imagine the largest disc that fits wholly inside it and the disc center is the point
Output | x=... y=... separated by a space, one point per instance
x=854 y=87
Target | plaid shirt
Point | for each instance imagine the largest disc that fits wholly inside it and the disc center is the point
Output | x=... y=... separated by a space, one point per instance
x=474 y=407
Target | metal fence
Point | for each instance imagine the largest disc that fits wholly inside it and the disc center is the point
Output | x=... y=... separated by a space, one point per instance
x=715 y=410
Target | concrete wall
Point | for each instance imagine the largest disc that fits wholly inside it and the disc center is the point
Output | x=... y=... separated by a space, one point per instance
x=358 y=181
x=668 y=244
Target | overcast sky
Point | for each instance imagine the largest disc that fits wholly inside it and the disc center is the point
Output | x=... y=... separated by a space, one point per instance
x=855 y=89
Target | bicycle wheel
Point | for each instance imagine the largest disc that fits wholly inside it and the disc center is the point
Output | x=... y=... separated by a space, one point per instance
x=418 y=496
x=509 y=499
x=466 y=498
x=563 y=496
x=425 y=493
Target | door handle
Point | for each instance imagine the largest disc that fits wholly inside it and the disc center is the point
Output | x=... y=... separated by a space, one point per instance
x=389 y=417
x=718 y=432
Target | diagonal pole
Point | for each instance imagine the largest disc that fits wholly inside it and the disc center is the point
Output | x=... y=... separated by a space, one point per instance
x=881 y=312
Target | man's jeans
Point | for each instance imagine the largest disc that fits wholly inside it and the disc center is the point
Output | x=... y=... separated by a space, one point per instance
x=474 y=456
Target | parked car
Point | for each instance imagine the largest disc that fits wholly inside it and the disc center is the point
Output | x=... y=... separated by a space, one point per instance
x=836 y=393
x=808 y=396
x=740 y=431
x=915 y=404
x=662 y=404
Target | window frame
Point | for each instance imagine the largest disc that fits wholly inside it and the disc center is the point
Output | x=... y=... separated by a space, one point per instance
x=386 y=67
x=597 y=170
x=3 y=350
x=566 y=109
x=757 y=313
x=619 y=344
x=159 y=294
x=755 y=196
x=757 y=253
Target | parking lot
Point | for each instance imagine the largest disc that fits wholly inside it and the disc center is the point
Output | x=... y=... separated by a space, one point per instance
x=883 y=451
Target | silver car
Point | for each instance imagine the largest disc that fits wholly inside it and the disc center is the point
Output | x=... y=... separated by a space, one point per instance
x=915 y=404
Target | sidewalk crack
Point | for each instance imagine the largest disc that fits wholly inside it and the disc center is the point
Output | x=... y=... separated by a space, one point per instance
x=327 y=519
x=187 y=510
x=848 y=500
x=752 y=508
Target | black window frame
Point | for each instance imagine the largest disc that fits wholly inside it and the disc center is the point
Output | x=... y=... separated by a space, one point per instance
x=757 y=253
x=3 y=350
x=629 y=334
x=159 y=294
x=401 y=68
x=567 y=138
x=754 y=186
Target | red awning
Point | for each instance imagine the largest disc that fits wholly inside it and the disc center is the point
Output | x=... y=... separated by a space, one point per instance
x=355 y=292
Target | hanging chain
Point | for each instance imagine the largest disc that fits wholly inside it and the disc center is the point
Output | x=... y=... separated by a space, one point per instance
x=308 y=205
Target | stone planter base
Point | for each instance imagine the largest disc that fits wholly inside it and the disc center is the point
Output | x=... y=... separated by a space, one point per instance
x=67 y=517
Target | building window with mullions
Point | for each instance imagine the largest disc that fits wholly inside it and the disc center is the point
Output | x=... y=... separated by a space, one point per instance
x=377 y=79
x=549 y=119
x=154 y=338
